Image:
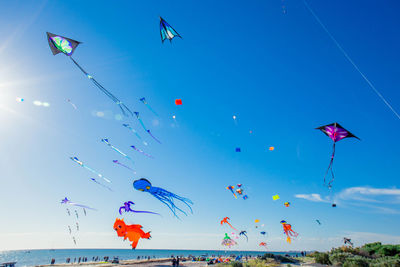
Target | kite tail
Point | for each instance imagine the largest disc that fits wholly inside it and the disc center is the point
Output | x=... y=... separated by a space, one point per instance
x=141 y=122
x=153 y=137
x=139 y=211
x=122 y=106
x=151 y=109
x=231 y=226
x=329 y=185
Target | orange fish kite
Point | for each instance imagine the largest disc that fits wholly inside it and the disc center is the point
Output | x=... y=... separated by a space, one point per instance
x=225 y=220
x=133 y=232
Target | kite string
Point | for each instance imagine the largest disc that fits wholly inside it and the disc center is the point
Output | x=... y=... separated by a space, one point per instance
x=121 y=105
x=351 y=61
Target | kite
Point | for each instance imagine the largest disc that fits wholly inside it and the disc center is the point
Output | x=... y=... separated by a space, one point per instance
x=234 y=235
x=287 y=204
x=143 y=100
x=231 y=187
x=335 y=132
x=263 y=244
x=76 y=213
x=60 y=44
x=123 y=165
x=97 y=182
x=240 y=191
x=227 y=241
x=72 y=104
x=69 y=228
x=133 y=130
x=178 y=102
x=105 y=141
x=127 y=208
x=69 y=213
x=275 y=197
x=73 y=238
x=154 y=137
x=84 y=211
x=19 y=99
x=287 y=229
x=271 y=148
x=225 y=220
x=163 y=195
x=256 y=220
x=69 y=202
x=238 y=149
x=75 y=159
x=166 y=31
x=141 y=151
x=144 y=127
x=244 y=233
x=333 y=205
x=318 y=222
x=77 y=227
x=133 y=232
x=263 y=233
x=347 y=241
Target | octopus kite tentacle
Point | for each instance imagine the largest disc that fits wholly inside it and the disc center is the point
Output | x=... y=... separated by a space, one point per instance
x=163 y=195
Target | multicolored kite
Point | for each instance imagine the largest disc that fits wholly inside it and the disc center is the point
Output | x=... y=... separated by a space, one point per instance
x=166 y=31
x=287 y=204
x=335 y=132
x=60 y=44
x=287 y=229
x=231 y=187
x=163 y=195
x=228 y=242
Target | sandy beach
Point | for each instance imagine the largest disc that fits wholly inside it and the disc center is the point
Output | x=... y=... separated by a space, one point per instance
x=151 y=262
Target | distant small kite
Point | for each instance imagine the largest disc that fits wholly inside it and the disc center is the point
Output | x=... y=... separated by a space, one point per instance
x=166 y=31
x=75 y=159
x=287 y=204
x=143 y=100
x=231 y=187
x=275 y=197
x=69 y=202
x=178 y=102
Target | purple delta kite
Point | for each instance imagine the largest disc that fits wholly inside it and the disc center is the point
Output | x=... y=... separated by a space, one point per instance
x=335 y=132
x=60 y=44
x=69 y=202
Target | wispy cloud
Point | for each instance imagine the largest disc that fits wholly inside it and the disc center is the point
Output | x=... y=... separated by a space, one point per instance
x=380 y=200
x=311 y=197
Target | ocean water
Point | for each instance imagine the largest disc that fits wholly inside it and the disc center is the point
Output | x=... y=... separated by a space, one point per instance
x=44 y=256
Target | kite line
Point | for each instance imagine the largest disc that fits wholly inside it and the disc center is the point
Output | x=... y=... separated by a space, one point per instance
x=351 y=61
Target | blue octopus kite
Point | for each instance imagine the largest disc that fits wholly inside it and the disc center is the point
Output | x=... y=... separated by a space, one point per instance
x=163 y=195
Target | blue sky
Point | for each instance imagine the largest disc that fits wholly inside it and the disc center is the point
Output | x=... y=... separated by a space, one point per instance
x=280 y=74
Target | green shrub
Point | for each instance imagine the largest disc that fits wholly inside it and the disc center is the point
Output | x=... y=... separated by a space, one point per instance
x=356 y=261
x=322 y=258
x=385 y=262
x=236 y=264
x=338 y=258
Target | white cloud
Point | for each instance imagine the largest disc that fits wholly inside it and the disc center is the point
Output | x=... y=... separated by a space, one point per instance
x=311 y=197
x=380 y=200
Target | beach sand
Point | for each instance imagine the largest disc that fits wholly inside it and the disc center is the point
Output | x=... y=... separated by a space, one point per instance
x=126 y=263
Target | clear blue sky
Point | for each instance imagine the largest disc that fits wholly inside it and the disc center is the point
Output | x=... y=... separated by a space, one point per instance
x=280 y=74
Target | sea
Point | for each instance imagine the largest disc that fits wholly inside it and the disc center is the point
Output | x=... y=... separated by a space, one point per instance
x=44 y=256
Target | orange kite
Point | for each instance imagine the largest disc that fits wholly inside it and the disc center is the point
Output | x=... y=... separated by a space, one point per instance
x=133 y=232
x=225 y=220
